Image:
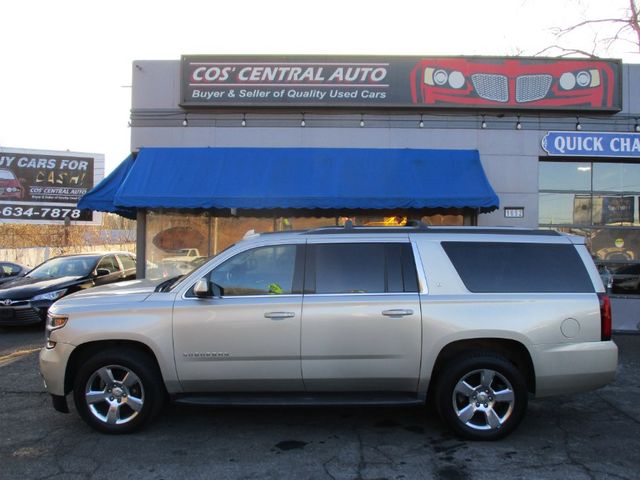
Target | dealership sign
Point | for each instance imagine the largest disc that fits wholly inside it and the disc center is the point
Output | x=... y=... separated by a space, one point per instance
x=38 y=186
x=592 y=144
x=506 y=83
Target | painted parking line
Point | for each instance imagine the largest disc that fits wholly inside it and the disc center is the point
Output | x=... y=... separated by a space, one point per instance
x=5 y=359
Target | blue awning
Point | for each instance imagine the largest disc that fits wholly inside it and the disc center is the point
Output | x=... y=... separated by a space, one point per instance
x=294 y=178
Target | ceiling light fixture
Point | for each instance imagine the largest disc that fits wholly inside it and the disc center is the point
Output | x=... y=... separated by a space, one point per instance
x=518 y=124
x=303 y=123
x=244 y=120
x=578 y=124
x=421 y=122
x=483 y=125
x=185 y=122
x=361 y=120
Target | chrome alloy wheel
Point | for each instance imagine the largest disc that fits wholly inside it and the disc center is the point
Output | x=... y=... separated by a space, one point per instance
x=114 y=395
x=483 y=400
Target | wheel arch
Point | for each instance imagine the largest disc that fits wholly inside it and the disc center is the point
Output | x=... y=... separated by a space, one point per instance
x=86 y=350
x=514 y=351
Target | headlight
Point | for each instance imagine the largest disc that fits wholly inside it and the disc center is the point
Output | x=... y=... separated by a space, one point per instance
x=581 y=79
x=441 y=77
x=12 y=189
x=567 y=81
x=50 y=295
x=456 y=80
x=56 y=321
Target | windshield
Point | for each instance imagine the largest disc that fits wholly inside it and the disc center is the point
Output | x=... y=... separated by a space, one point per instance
x=64 y=267
x=7 y=175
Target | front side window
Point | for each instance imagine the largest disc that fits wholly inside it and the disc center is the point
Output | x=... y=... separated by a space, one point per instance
x=260 y=271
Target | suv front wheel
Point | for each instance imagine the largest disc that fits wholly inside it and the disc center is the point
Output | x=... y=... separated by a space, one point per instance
x=481 y=397
x=118 y=391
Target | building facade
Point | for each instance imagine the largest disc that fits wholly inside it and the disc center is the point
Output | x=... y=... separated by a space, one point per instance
x=558 y=141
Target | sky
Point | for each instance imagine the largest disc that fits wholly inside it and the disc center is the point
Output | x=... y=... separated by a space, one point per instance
x=65 y=65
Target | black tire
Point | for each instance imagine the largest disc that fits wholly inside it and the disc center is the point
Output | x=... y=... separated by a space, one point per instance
x=118 y=390
x=481 y=396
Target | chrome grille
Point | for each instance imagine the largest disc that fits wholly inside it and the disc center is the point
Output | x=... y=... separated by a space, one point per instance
x=491 y=87
x=532 y=87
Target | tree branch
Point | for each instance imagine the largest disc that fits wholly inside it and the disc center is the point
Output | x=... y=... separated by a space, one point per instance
x=565 y=51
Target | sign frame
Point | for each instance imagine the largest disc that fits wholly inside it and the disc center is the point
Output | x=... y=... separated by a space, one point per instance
x=399 y=82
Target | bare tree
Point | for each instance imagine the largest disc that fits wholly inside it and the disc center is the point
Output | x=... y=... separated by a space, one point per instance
x=607 y=32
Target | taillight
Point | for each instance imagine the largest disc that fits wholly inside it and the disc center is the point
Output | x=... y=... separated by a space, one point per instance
x=605 y=317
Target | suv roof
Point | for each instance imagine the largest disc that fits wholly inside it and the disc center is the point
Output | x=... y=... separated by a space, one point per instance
x=427 y=229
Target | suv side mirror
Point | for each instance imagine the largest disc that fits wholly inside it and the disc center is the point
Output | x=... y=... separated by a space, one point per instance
x=101 y=272
x=201 y=288
x=204 y=289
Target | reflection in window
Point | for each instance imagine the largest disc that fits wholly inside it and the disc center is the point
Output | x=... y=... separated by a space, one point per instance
x=600 y=201
x=571 y=176
x=616 y=177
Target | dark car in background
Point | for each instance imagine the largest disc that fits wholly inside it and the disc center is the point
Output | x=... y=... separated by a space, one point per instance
x=626 y=280
x=26 y=300
x=10 y=271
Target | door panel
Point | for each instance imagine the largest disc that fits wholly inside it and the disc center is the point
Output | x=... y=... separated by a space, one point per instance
x=349 y=344
x=361 y=326
x=249 y=339
x=230 y=344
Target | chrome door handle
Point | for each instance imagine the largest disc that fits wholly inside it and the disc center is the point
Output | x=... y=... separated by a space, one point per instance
x=279 y=315
x=397 y=312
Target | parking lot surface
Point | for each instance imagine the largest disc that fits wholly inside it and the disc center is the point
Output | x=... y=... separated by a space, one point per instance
x=588 y=436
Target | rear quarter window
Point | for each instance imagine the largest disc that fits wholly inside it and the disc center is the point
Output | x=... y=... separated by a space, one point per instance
x=502 y=267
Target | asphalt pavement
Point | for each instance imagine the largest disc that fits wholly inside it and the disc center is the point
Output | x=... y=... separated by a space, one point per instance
x=595 y=435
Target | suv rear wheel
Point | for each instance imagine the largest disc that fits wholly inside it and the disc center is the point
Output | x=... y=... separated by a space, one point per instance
x=118 y=391
x=481 y=397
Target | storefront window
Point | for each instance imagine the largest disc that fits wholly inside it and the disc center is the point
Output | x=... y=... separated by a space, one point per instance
x=606 y=214
x=616 y=177
x=574 y=176
x=177 y=243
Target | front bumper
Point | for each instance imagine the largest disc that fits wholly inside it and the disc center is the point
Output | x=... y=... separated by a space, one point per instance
x=575 y=367
x=53 y=366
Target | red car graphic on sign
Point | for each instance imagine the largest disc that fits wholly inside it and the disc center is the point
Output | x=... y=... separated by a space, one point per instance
x=10 y=186
x=514 y=83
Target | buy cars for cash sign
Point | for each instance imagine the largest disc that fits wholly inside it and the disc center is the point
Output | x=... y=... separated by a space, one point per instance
x=44 y=186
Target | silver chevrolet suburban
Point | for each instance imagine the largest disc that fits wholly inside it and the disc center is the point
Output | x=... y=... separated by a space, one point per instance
x=475 y=319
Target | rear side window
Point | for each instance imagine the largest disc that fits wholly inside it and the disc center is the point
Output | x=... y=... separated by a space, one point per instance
x=335 y=268
x=500 y=267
